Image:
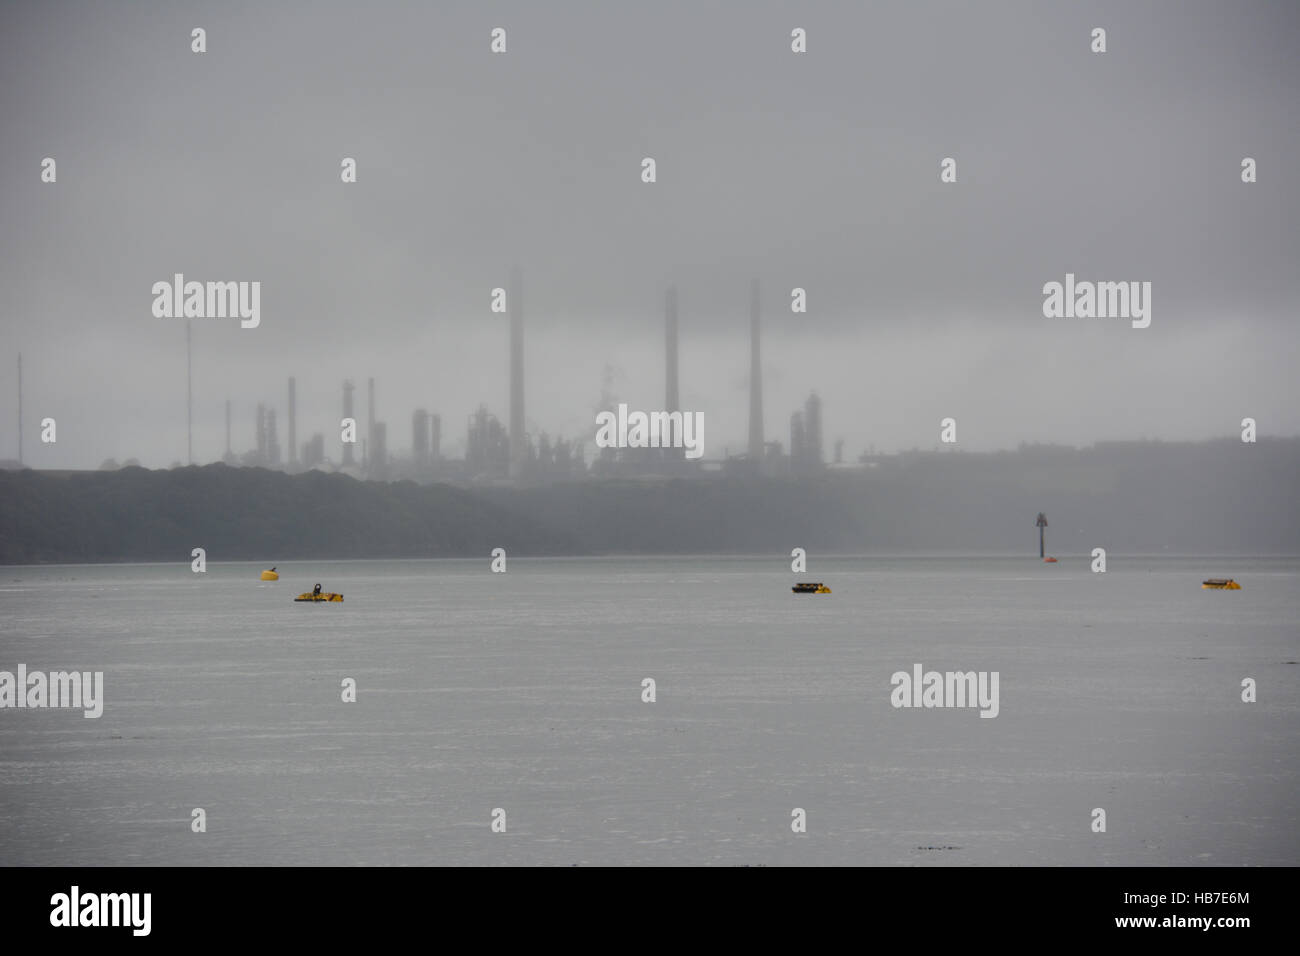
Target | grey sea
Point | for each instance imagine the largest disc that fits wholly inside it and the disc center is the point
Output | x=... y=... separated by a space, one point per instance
x=522 y=692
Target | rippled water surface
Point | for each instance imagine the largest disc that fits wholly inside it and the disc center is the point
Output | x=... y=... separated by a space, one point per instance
x=523 y=691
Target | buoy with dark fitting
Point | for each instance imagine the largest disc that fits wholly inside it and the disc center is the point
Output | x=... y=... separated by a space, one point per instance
x=316 y=595
x=270 y=575
x=810 y=587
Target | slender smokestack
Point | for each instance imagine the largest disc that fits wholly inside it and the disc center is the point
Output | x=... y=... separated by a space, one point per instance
x=812 y=418
x=272 y=439
x=189 y=400
x=227 y=428
x=370 y=423
x=798 y=451
x=20 y=408
x=517 y=439
x=420 y=436
x=755 y=380
x=671 y=400
x=293 y=421
x=347 y=413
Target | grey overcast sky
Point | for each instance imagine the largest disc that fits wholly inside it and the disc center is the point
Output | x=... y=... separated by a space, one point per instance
x=818 y=170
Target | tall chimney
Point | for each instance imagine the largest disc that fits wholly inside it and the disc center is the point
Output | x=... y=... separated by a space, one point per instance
x=20 y=408
x=517 y=439
x=261 y=435
x=370 y=422
x=420 y=436
x=227 y=428
x=798 y=448
x=755 y=380
x=347 y=413
x=293 y=422
x=189 y=400
x=272 y=439
x=812 y=417
x=671 y=400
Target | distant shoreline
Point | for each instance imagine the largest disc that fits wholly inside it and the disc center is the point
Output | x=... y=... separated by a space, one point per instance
x=767 y=558
x=1209 y=499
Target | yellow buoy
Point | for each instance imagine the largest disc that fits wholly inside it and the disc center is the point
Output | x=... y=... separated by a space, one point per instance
x=270 y=575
